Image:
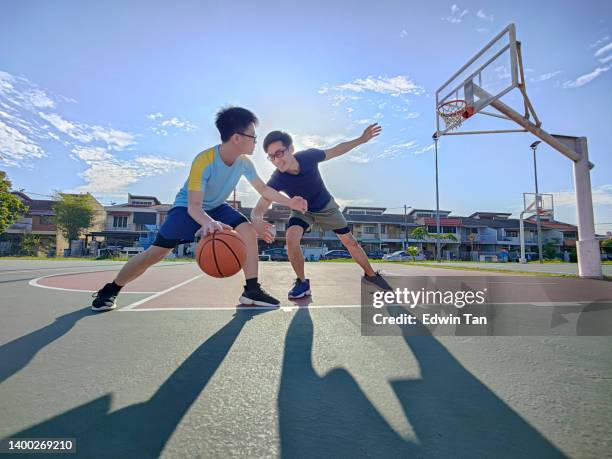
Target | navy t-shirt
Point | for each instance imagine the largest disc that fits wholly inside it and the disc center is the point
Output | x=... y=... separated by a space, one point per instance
x=307 y=184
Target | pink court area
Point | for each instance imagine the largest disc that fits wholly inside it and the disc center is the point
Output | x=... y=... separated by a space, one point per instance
x=332 y=285
x=156 y=279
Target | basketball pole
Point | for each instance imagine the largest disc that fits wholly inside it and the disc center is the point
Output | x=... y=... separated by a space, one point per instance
x=576 y=149
x=435 y=138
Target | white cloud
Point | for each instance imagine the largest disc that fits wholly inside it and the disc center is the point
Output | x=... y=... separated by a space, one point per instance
x=177 y=123
x=23 y=93
x=393 y=86
x=456 y=15
x=604 y=50
x=482 y=30
x=90 y=154
x=502 y=72
x=485 y=17
x=114 y=138
x=602 y=195
x=110 y=176
x=16 y=149
x=545 y=76
x=361 y=158
x=350 y=109
x=397 y=149
x=363 y=121
x=403 y=33
x=338 y=99
x=378 y=116
x=599 y=42
x=118 y=140
x=408 y=114
x=585 y=79
x=155 y=165
x=173 y=122
x=606 y=59
x=302 y=141
x=420 y=151
x=160 y=131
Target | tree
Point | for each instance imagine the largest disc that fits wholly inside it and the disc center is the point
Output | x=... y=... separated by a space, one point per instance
x=443 y=238
x=550 y=248
x=11 y=207
x=607 y=245
x=420 y=233
x=30 y=244
x=412 y=251
x=73 y=214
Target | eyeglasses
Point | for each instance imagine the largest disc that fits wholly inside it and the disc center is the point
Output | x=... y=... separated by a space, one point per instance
x=254 y=137
x=277 y=154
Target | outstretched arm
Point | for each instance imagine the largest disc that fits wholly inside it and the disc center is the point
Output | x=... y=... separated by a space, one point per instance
x=296 y=203
x=263 y=228
x=368 y=134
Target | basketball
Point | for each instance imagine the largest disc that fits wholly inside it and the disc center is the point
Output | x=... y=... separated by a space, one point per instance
x=221 y=254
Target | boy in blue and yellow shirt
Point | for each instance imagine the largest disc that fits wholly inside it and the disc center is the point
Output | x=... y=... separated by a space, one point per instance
x=200 y=208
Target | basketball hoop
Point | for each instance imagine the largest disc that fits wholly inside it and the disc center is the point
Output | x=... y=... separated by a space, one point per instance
x=454 y=112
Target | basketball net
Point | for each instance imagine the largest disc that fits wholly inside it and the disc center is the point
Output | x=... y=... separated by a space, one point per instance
x=453 y=113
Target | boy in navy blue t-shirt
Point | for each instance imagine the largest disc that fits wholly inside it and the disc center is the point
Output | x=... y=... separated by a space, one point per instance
x=297 y=174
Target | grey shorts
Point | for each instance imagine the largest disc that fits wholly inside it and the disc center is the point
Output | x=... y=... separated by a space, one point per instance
x=329 y=218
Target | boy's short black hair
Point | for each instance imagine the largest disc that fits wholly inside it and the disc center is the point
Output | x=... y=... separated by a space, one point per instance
x=275 y=136
x=231 y=120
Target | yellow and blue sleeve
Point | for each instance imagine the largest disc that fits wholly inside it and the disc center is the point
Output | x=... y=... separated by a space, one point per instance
x=196 y=181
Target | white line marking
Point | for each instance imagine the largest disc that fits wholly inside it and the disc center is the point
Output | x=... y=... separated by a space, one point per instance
x=34 y=283
x=240 y=308
x=67 y=272
x=115 y=267
x=129 y=307
x=290 y=308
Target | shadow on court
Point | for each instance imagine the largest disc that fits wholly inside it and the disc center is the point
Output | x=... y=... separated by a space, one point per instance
x=16 y=354
x=142 y=430
x=452 y=413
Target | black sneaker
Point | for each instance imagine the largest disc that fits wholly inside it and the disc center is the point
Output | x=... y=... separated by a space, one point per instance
x=378 y=281
x=258 y=297
x=105 y=299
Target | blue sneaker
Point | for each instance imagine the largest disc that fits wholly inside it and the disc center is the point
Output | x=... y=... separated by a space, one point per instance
x=300 y=289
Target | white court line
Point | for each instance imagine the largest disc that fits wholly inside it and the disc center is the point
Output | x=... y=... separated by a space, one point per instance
x=34 y=283
x=118 y=266
x=246 y=308
x=49 y=269
x=290 y=308
x=129 y=307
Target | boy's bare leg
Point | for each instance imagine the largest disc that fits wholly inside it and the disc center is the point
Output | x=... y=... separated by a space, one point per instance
x=249 y=236
x=296 y=257
x=140 y=263
x=357 y=252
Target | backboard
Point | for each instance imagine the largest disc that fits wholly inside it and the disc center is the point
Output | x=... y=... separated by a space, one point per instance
x=490 y=74
x=542 y=204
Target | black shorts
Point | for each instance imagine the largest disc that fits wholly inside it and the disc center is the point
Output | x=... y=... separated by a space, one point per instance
x=180 y=228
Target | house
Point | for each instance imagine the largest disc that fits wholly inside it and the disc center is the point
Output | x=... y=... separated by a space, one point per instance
x=39 y=221
x=125 y=224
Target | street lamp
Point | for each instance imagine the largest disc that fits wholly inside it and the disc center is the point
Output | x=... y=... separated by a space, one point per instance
x=406 y=225
x=533 y=147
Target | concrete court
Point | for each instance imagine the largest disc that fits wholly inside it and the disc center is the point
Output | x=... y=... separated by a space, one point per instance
x=180 y=372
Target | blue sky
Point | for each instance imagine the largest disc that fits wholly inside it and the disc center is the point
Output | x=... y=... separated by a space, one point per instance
x=117 y=97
